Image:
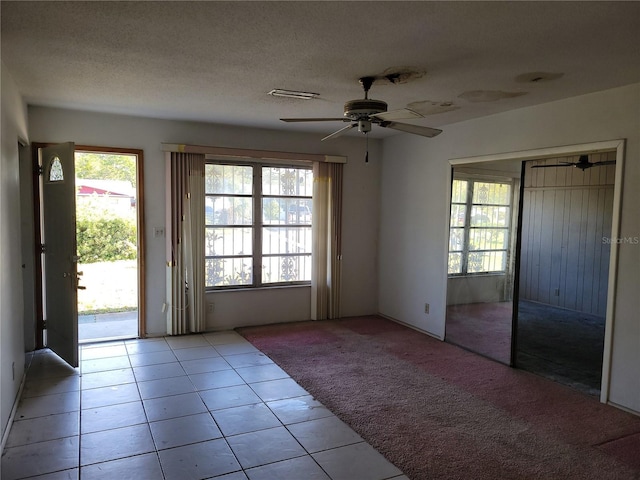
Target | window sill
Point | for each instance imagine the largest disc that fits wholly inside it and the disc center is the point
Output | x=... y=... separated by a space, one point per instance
x=478 y=275
x=255 y=289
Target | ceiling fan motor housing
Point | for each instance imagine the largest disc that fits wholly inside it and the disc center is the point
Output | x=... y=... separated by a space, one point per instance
x=363 y=108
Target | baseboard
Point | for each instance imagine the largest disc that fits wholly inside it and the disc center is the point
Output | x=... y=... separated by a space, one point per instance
x=625 y=409
x=412 y=327
x=14 y=409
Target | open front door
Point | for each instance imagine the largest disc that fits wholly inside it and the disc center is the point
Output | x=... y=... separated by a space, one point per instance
x=60 y=261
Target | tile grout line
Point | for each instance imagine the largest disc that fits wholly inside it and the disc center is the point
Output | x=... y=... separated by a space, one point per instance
x=135 y=378
x=81 y=354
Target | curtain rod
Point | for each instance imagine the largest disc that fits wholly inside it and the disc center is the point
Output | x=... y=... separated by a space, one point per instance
x=246 y=153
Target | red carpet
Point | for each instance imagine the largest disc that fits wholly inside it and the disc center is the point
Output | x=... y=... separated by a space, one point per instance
x=438 y=411
x=484 y=328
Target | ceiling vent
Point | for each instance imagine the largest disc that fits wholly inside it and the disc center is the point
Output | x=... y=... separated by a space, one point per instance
x=278 y=92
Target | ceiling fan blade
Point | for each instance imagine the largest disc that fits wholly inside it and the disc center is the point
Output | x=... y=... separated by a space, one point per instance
x=608 y=162
x=401 y=114
x=556 y=165
x=415 y=129
x=341 y=119
x=342 y=131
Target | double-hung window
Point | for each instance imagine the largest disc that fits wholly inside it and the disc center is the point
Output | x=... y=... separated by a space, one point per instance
x=257 y=224
x=479 y=226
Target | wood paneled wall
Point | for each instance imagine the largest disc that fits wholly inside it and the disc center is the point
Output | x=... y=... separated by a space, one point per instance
x=566 y=222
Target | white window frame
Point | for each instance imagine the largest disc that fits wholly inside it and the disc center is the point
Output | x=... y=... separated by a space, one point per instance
x=257 y=226
x=467 y=227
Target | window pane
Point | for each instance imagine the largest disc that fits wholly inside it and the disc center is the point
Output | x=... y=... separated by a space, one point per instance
x=489 y=216
x=228 y=210
x=494 y=193
x=488 y=239
x=221 y=272
x=286 y=240
x=287 y=181
x=286 y=269
x=480 y=262
x=455 y=263
x=290 y=211
x=459 y=191
x=229 y=179
x=228 y=241
x=298 y=212
x=456 y=239
x=55 y=170
x=273 y=211
x=457 y=215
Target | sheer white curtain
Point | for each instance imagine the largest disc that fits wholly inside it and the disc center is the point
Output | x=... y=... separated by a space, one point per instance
x=185 y=243
x=327 y=231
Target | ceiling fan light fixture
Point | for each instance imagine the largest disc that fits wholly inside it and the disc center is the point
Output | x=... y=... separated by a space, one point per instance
x=364 y=126
x=364 y=112
x=279 y=92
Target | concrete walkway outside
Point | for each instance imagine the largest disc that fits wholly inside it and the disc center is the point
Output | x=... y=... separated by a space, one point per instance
x=107 y=326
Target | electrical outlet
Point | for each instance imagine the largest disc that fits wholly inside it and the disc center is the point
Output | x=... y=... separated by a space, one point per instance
x=210 y=307
x=426 y=308
x=158 y=232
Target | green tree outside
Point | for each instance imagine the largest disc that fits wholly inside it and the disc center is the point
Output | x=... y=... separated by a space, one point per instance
x=103 y=235
x=90 y=165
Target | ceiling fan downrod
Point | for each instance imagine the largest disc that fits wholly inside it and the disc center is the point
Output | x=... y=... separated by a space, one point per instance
x=366 y=83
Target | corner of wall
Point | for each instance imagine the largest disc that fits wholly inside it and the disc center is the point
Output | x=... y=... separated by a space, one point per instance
x=14 y=123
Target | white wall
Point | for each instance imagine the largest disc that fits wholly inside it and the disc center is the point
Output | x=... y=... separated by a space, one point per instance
x=415 y=205
x=476 y=289
x=232 y=309
x=12 y=352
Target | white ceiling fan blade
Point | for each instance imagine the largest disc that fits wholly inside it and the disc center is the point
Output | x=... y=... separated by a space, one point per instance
x=415 y=129
x=341 y=119
x=339 y=132
x=401 y=114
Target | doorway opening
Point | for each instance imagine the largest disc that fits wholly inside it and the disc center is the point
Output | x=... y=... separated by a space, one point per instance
x=108 y=249
x=57 y=278
x=557 y=312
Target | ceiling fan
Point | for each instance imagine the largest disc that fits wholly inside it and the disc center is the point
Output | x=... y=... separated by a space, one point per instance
x=362 y=113
x=582 y=163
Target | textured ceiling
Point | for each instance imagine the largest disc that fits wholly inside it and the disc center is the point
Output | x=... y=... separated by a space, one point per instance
x=216 y=61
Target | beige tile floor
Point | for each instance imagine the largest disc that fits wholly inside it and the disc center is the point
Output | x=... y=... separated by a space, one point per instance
x=192 y=407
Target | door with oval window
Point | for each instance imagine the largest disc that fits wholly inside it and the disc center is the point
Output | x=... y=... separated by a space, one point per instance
x=60 y=274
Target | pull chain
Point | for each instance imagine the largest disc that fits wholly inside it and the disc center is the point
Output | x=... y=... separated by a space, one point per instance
x=366 y=157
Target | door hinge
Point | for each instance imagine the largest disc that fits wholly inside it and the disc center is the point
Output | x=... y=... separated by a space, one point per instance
x=43 y=248
x=39 y=170
x=44 y=324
